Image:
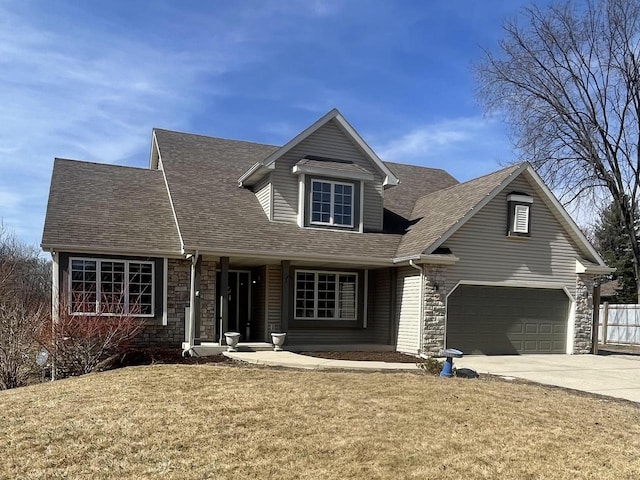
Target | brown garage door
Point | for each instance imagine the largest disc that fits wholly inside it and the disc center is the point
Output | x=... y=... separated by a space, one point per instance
x=507 y=320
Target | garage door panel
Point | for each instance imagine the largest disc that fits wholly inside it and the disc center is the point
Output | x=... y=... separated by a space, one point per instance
x=507 y=320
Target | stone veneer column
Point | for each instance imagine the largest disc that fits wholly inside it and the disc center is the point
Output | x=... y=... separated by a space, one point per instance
x=583 y=314
x=434 y=309
x=208 y=300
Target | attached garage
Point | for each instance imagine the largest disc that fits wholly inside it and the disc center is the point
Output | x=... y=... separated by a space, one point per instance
x=507 y=320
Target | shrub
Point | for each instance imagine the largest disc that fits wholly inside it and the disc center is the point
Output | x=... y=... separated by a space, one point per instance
x=24 y=308
x=78 y=343
x=431 y=365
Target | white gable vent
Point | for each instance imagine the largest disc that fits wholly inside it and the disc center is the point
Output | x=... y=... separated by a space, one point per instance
x=519 y=214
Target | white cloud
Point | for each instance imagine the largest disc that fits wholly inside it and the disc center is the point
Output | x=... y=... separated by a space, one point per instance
x=90 y=94
x=465 y=147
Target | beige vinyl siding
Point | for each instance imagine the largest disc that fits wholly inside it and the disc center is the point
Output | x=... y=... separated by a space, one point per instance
x=273 y=289
x=263 y=193
x=380 y=305
x=487 y=255
x=373 y=201
x=331 y=142
x=408 y=301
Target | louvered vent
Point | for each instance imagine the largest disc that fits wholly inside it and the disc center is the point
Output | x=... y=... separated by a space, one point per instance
x=521 y=219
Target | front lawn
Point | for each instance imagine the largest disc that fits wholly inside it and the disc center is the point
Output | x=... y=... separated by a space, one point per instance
x=209 y=421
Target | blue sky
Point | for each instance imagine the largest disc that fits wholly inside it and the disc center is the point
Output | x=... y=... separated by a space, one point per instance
x=89 y=80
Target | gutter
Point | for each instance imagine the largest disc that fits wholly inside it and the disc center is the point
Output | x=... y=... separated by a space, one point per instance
x=382 y=262
x=428 y=259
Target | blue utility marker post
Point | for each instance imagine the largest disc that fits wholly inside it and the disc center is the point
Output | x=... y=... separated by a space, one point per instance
x=450 y=354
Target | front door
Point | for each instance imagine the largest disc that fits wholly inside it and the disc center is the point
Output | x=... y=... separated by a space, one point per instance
x=239 y=296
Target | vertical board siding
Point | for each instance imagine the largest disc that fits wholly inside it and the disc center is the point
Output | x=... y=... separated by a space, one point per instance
x=331 y=142
x=408 y=314
x=380 y=305
x=274 y=293
x=487 y=255
x=263 y=193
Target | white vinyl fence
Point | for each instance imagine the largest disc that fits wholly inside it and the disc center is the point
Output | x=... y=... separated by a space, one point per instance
x=619 y=324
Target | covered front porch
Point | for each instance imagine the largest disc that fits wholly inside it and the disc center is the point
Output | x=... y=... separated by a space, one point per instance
x=320 y=305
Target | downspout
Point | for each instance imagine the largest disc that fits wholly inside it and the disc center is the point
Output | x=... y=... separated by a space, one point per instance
x=192 y=302
x=421 y=307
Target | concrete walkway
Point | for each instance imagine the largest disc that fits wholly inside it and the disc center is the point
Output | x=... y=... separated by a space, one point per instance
x=614 y=375
x=295 y=360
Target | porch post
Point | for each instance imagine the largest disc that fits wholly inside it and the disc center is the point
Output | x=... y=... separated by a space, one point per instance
x=191 y=324
x=286 y=293
x=223 y=300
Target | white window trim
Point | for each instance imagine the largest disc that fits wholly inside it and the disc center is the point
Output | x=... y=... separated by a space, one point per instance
x=126 y=290
x=315 y=295
x=331 y=219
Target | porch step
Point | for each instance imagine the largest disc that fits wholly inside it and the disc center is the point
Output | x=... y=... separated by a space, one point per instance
x=206 y=350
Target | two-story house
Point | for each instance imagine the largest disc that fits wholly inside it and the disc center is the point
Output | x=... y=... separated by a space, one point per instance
x=321 y=239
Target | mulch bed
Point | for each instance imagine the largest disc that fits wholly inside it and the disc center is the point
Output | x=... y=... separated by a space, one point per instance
x=151 y=356
x=392 y=357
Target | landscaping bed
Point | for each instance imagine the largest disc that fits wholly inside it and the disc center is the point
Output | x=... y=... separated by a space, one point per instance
x=391 y=357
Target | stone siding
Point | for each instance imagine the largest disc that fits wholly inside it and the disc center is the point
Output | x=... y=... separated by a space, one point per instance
x=434 y=309
x=583 y=314
x=208 y=300
x=177 y=291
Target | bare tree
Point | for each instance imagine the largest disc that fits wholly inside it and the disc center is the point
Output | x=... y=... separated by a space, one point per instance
x=24 y=308
x=567 y=80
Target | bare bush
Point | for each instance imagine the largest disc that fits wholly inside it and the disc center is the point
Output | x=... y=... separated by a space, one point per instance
x=24 y=308
x=79 y=342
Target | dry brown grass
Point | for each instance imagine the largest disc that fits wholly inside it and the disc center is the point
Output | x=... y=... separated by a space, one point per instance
x=206 y=421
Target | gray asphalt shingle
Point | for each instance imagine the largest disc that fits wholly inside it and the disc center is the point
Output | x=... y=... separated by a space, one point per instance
x=102 y=206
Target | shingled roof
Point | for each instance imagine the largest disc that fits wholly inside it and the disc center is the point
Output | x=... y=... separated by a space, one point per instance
x=107 y=207
x=436 y=213
x=113 y=208
x=216 y=216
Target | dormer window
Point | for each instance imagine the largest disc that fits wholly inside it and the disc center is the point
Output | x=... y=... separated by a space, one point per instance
x=519 y=218
x=331 y=203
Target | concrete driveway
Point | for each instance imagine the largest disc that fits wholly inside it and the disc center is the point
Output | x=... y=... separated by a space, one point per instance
x=616 y=376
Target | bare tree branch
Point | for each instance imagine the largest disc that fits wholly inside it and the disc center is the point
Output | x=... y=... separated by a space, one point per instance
x=567 y=80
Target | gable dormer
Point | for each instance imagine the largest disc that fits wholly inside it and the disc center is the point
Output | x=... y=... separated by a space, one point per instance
x=325 y=177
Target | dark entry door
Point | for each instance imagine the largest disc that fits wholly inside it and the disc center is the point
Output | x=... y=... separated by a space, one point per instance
x=239 y=296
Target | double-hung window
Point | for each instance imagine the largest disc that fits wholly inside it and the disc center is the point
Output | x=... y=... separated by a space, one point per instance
x=326 y=295
x=110 y=287
x=331 y=203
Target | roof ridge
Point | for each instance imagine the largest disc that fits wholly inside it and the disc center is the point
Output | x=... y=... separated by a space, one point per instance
x=155 y=129
x=433 y=169
x=515 y=166
x=60 y=159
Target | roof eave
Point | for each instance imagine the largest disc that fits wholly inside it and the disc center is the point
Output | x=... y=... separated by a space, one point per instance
x=274 y=255
x=430 y=259
x=51 y=247
x=589 y=268
x=254 y=174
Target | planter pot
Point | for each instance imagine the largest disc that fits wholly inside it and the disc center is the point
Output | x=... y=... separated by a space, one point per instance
x=278 y=340
x=232 y=339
